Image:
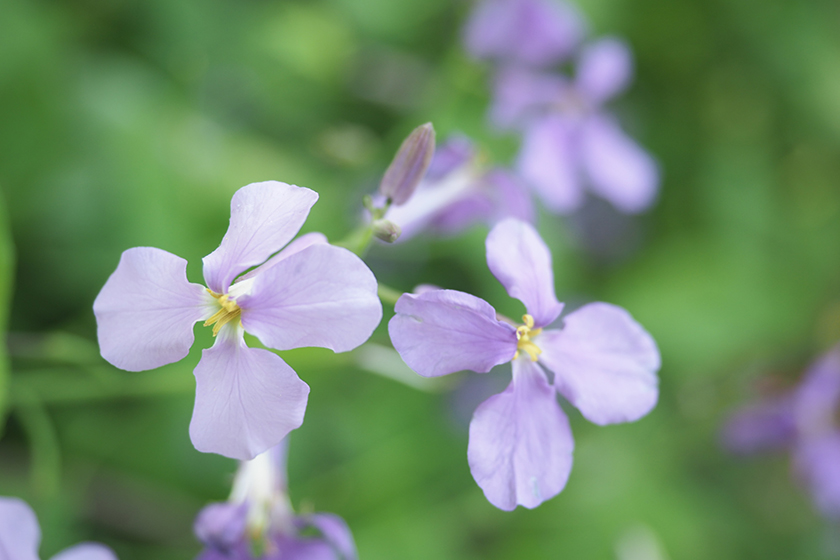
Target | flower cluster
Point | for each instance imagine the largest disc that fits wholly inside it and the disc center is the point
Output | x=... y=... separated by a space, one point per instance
x=804 y=421
x=604 y=363
x=570 y=142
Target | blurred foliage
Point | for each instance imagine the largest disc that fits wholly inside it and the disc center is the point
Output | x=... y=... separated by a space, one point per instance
x=129 y=123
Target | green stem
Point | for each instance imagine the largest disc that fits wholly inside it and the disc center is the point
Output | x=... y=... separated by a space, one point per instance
x=358 y=240
x=46 y=453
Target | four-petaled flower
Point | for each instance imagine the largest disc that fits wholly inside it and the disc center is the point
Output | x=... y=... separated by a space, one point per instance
x=604 y=363
x=20 y=536
x=309 y=294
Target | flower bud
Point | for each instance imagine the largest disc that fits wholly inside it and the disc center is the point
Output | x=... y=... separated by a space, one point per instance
x=409 y=165
x=386 y=230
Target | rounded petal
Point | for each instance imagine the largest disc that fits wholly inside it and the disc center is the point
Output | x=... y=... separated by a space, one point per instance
x=322 y=296
x=817 y=462
x=221 y=525
x=549 y=161
x=604 y=363
x=296 y=246
x=520 y=449
x=246 y=399
x=510 y=197
x=444 y=331
x=86 y=551
x=263 y=218
x=335 y=531
x=520 y=260
x=20 y=534
x=520 y=94
x=618 y=169
x=146 y=310
x=817 y=399
x=604 y=70
x=533 y=32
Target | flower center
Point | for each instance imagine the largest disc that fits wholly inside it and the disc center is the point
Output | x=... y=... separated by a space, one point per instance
x=523 y=336
x=223 y=316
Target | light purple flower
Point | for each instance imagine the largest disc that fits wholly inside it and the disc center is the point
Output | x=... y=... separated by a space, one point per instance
x=530 y=32
x=604 y=363
x=259 y=517
x=803 y=420
x=570 y=143
x=456 y=193
x=309 y=294
x=20 y=536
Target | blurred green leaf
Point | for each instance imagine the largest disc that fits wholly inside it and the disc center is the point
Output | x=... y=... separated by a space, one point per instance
x=7 y=266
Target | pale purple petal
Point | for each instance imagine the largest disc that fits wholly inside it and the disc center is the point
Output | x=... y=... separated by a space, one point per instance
x=549 y=161
x=519 y=94
x=263 y=218
x=817 y=462
x=764 y=426
x=461 y=214
x=604 y=70
x=618 y=169
x=534 y=32
x=246 y=399
x=86 y=551
x=444 y=331
x=296 y=246
x=292 y=548
x=335 y=532
x=456 y=152
x=146 y=310
x=818 y=396
x=604 y=363
x=322 y=296
x=510 y=197
x=520 y=260
x=20 y=534
x=221 y=525
x=520 y=449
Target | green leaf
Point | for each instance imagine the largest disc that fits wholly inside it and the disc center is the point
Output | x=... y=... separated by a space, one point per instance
x=7 y=264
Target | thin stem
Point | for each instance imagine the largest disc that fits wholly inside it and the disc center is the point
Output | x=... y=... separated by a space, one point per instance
x=46 y=453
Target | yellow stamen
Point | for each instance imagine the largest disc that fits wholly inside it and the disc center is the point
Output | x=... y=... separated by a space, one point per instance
x=523 y=336
x=226 y=314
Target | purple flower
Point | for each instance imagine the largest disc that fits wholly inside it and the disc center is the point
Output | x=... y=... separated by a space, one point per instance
x=456 y=193
x=20 y=536
x=569 y=142
x=308 y=294
x=530 y=32
x=604 y=363
x=803 y=420
x=258 y=521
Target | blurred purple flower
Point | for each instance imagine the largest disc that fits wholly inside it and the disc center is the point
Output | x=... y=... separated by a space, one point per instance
x=258 y=521
x=456 y=194
x=529 y=32
x=569 y=142
x=804 y=420
x=604 y=363
x=20 y=536
x=309 y=294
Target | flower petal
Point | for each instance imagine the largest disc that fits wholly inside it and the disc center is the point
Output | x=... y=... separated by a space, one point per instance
x=335 y=532
x=246 y=399
x=263 y=218
x=511 y=198
x=520 y=260
x=221 y=525
x=618 y=169
x=817 y=462
x=86 y=551
x=763 y=426
x=444 y=331
x=604 y=70
x=20 y=534
x=520 y=449
x=520 y=94
x=322 y=296
x=549 y=161
x=146 y=310
x=296 y=246
x=604 y=363
x=817 y=400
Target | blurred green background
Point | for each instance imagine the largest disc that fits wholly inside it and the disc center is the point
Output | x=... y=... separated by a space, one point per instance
x=127 y=123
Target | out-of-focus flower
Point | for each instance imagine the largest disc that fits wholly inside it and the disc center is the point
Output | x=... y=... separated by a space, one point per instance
x=309 y=294
x=20 y=536
x=529 y=32
x=604 y=363
x=805 y=421
x=258 y=522
x=570 y=143
x=409 y=165
x=457 y=193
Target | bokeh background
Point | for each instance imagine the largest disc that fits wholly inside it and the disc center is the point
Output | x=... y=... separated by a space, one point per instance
x=126 y=123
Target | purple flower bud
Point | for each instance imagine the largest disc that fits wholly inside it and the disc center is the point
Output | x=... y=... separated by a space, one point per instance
x=386 y=230
x=409 y=165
